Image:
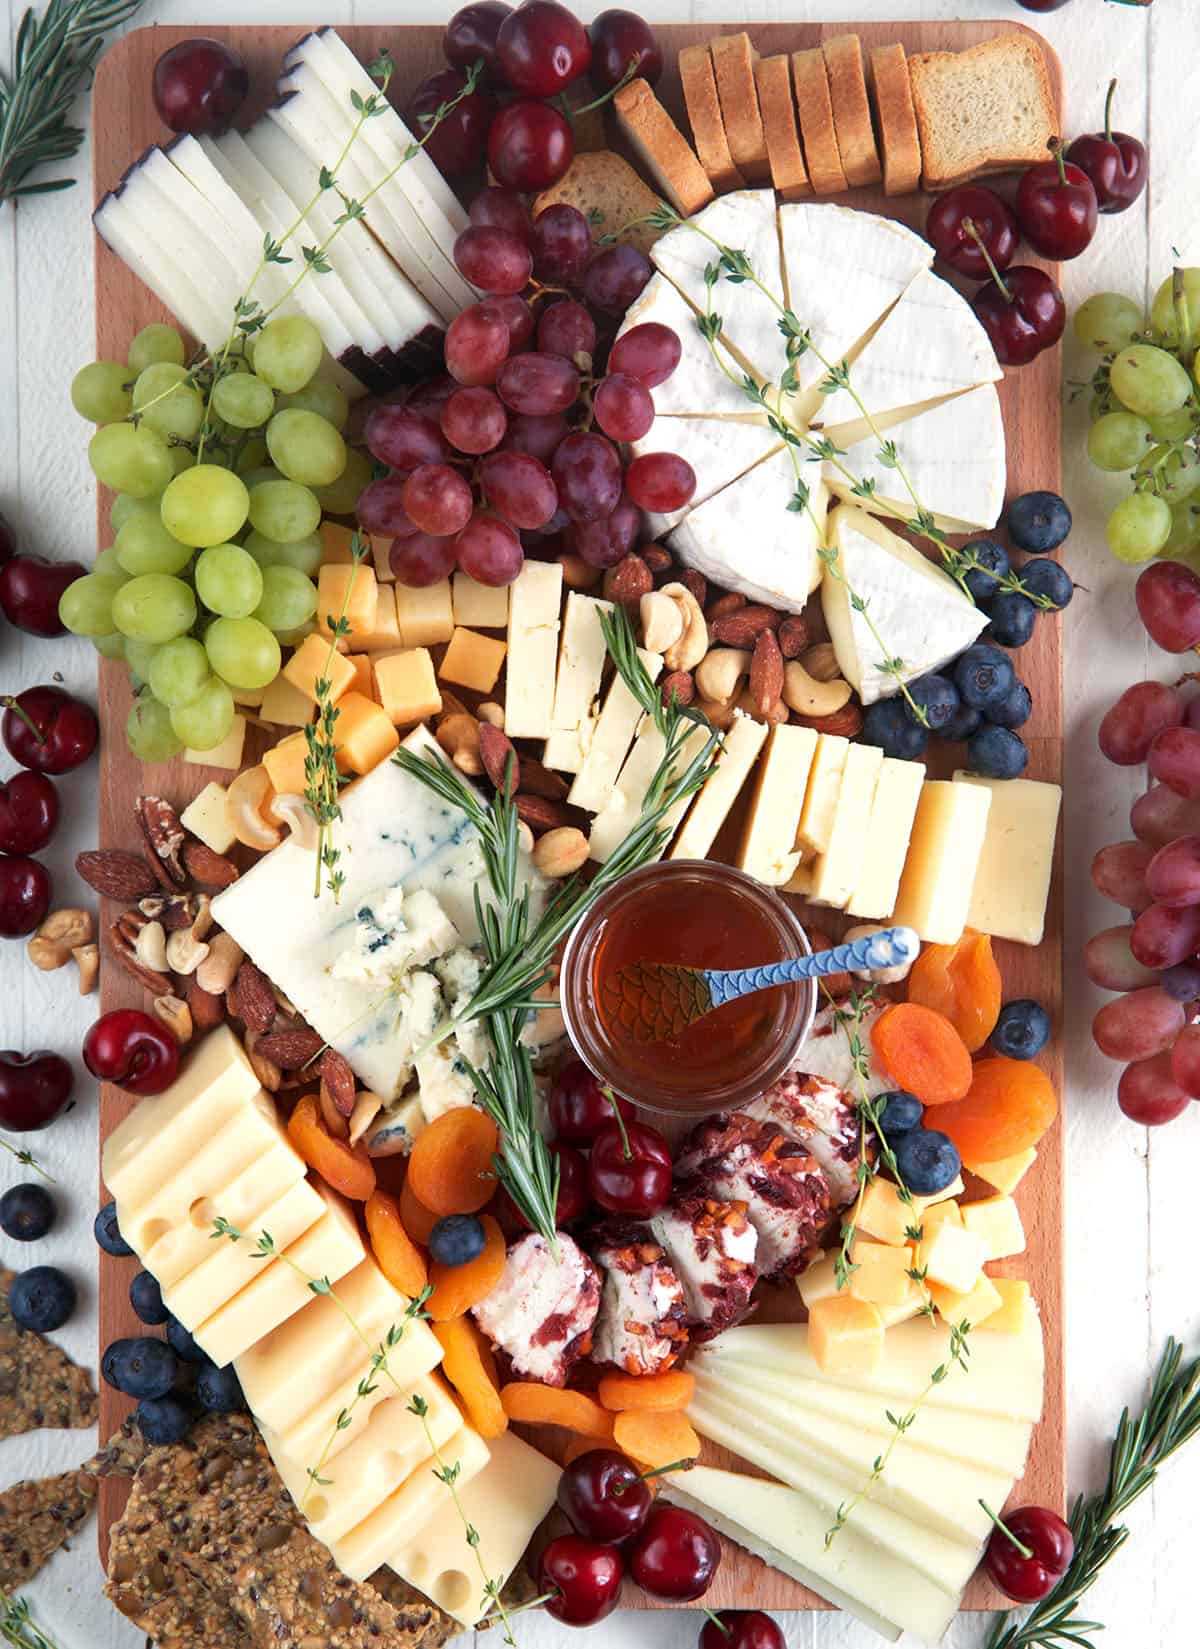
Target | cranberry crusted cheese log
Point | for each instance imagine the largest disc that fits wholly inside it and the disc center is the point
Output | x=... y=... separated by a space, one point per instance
x=642 y=1326
x=711 y=1246
x=542 y=1311
x=824 y=1121
x=741 y=1158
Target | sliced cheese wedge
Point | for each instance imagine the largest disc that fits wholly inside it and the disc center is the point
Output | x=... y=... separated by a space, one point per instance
x=698 y=387
x=834 y=870
x=228 y=1266
x=768 y=851
x=917 y=612
x=943 y=857
x=621 y=811
x=1016 y=864
x=600 y=762
x=581 y=659
x=719 y=451
x=877 y=880
x=744 y=738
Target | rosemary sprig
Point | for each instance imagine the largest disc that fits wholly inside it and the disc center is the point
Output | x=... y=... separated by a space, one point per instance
x=18 y=1627
x=27 y=1159
x=322 y=781
x=53 y=61
x=1170 y=1418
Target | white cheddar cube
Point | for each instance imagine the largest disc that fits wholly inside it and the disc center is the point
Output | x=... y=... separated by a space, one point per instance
x=534 y=598
x=897 y=792
x=743 y=740
x=596 y=772
x=208 y=818
x=581 y=659
x=1016 y=1309
x=385 y=633
x=479 y=606
x=768 y=851
x=422 y=1500
x=952 y=1256
x=425 y=616
x=230 y=1266
x=1016 y=862
x=820 y=799
x=227 y=754
x=997 y=1221
x=943 y=854
x=836 y=869
x=1005 y=1173
x=974 y=1308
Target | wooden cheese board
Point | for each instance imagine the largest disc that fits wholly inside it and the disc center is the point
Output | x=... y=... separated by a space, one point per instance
x=124 y=124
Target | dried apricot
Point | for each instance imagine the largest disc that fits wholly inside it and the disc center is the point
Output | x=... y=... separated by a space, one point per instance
x=578 y=1445
x=347 y=1168
x=418 y=1220
x=536 y=1405
x=396 y=1254
x=450 y=1168
x=651 y=1392
x=655 y=1439
x=1010 y=1106
x=468 y=1364
x=962 y=983
x=922 y=1052
x=456 y=1288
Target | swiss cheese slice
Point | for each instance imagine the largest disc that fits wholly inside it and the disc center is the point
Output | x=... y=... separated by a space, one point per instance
x=421 y=1500
x=877 y=880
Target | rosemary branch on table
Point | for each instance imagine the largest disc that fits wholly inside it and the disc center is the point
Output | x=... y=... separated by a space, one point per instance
x=18 y=1627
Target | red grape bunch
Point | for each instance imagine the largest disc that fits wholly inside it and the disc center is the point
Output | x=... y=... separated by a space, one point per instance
x=521 y=441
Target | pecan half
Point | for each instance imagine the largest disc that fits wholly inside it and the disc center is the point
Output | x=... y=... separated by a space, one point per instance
x=114 y=874
x=766 y=673
x=290 y=1050
x=209 y=869
x=846 y=723
x=163 y=834
x=496 y=752
x=338 y=1081
x=173 y=910
x=743 y=628
x=540 y=813
x=251 y=999
x=122 y=942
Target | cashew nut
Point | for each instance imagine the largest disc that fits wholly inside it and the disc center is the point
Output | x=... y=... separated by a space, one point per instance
x=469 y=762
x=87 y=960
x=185 y=952
x=219 y=968
x=748 y=705
x=808 y=697
x=203 y=919
x=692 y=645
x=458 y=732
x=662 y=621
x=821 y=662
x=150 y=947
x=367 y=1107
x=58 y=936
x=493 y=714
x=175 y=1014
x=292 y=811
x=524 y=836
x=452 y=705
x=717 y=715
x=880 y=976
x=719 y=673
x=246 y=798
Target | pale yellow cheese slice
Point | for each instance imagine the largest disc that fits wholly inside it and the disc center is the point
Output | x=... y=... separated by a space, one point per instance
x=943 y=855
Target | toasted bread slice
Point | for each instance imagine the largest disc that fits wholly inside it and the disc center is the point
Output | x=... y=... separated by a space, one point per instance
x=733 y=64
x=610 y=194
x=851 y=110
x=773 y=77
x=896 y=119
x=815 y=110
x=704 y=116
x=987 y=109
x=662 y=148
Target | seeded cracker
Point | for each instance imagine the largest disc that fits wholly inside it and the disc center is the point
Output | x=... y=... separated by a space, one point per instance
x=36 y=1518
x=39 y=1384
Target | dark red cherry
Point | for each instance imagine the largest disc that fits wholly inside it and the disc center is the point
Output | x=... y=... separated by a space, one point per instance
x=34 y=1089
x=580 y=1106
x=471 y=34
x=1050 y=1545
x=741 y=1629
x=676 y=1555
x=25 y=893
x=623 y=45
x=198 y=86
x=1056 y=207
x=630 y=1170
x=48 y=730
x=584 y=1577
x=30 y=590
x=530 y=146
x=603 y=1495
x=1117 y=163
x=28 y=812
x=1022 y=312
x=457 y=143
x=948 y=228
x=542 y=47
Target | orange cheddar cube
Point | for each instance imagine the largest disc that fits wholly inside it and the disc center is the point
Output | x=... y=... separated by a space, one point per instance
x=311 y=663
x=347 y=592
x=937 y=1213
x=473 y=660
x=386 y=633
x=363 y=733
x=1005 y=1173
x=1016 y=1305
x=975 y=1307
x=285 y=765
x=335 y=545
x=882 y=1215
x=364 y=679
x=845 y=1335
x=406 y=687
x=881 y=1274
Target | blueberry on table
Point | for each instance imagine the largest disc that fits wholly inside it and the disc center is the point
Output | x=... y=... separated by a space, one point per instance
x=41 y=1299
x=108 y=1233
x=141 y=1367
x=1022 y=1030
x=457 y=1240
x=182 y=1343
x=1046 y=578
x=27 y=1212
x=890 y=725
x=983 y=581
x=936 y=696
x=983 y=676
x=219 y=1390
x=1038 y=522
x=145 y=1296
x=1011 y=617
x=928 y=1161
x=898 y=1113
x=163 y=1420
x=965 y=721
x=995 y=753
x=1016 y=709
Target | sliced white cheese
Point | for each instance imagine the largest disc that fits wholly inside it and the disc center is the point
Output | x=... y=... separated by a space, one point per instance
x=768 y=851
x=743 y=740
x=534 y=598
x=943 y=856
x=597 y=770
x=834 y=871
x=1016 y=862
x=623 y=807
x=826 y=1053
x=176 y=280
x=718 y=449
x=883 y=600
x=698 y=387
x=581 y=659
x=893 y=809
x=815 y=829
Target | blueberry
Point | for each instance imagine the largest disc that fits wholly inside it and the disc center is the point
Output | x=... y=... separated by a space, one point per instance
x=1181 y=982
x=1038 y=522
x=182 y=1343
x=108 y=1233
x=983 y=581
x=937 y=696
x=1011 y=618
x=899 y=1111
x=1022 y=1030
x=41 y=1299
x=219 y=1390
x=163 y=1420
x=962 y=724
x=889 y=725
x=145 y=1296
x=140 y=1368
x=995 y=753
x=26 y=1212
x=1016 y=709
x=1046 y=578
x=928 y=1161
x=456 y=1240
x=983 y=676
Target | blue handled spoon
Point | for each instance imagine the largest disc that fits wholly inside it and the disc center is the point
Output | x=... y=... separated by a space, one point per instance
x=654 y=1001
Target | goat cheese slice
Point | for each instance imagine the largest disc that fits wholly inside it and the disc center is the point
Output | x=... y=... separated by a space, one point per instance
x=698 y=387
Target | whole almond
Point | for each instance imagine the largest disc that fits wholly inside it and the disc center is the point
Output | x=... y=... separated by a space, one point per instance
x=208 y=868
x=743 y=628
x=766 y=673
x=541 y=814
x=627 y=582
x=290 y=1050
x=578 y=574
x=658 y=558
x=846 y=723
x=793 y=635
x=696 y=583
x=679 y=685
x=208 y=1011
x=500 y=760
x=251 y=999
x=338 y=1080
x=538 y=780
x=731 y=603
x=114 y=874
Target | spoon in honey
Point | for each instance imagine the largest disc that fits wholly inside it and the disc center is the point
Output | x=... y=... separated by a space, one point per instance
x=655 y=1001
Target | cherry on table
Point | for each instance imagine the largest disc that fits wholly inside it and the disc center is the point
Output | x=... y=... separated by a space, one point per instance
x=949 y=229
x=28 y=812
x=48 y=730
x=580 y=1105
x=542 y=47
x=25 y=893
x=584 y=1575
x=1022 y=312
x=741 y=1629
x=471 y=34
x=574 y=1193
x=129 y=1048
x=34 y=1089
x=676 y=1555
x=198 y=86
x=1056 y=207
x=1050 y=1545
x=623 y=45
x=8 y=540
x=604 y=1496
x=30 y=589
x=630 y=1169
x=1117 y=163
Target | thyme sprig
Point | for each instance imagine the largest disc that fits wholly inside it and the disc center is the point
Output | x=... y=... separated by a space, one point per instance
x=1140 y=1446
x=27 y=1159
x=322 y=780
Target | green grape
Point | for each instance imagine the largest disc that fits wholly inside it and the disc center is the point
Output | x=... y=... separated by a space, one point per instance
x=1138 y=527
x=182 y=458
x=1149 y=381
x=154 y=607
x=228 y=580
x=153 y=344
x=144 y=545
x=287 y=352
x=205 y=720
x=1107 y=321
x=1179 y=475
x=321 y=397
x=1163 y=316
x=1183 y=541
x=288 y=599
x=284 y=511
x=136 y=461
x=293 y=638
x=110 y=646
x=123 y=507
x=149 y=733
x=205 y=505
x=1118 y=441
x=341 y=496
x=139 y=655
x=86 y=606
x=306 y=448
x=179 y=671
x=243 y=652
x=1173 y=426
x=167 y=401
x=302 y=553
x=101 y=392
x=254 y=457
x=243 y=400
x=262 y=472
x=107 y=565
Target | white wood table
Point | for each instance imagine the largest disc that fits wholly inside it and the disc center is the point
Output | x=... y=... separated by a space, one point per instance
x=1131 y=1194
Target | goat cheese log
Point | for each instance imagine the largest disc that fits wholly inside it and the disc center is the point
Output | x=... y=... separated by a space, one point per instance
x=642 y=1326
x=711 y=1246
x=542 y=1311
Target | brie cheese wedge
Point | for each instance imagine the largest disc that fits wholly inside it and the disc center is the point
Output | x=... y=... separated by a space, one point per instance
x=719 y=451
x=698 y=388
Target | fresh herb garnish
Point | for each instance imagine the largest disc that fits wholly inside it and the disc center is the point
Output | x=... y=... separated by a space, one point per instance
x=322 y=781
x=18 y=1627
x=27 y=1159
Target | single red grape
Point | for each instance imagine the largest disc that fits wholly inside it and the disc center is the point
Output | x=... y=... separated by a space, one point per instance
x=474 y=420
x=519 y=488
x=1129 y=728
x=649 y=351
x=1168 y=604
x=562 y=244
x=1174 y=760
x=438 y=499
x=567 y=329
x=402 y=439
x=489 y=551
x=587 y=473
x=1119 y=873
x=381 y=508
x=660 y=482
x=624 y=407
x=494 y=260
x=477 y=344
x=518 y=317
x=496 y=208
x=1149 y=1093
x=615 y=277
x=538 y=434
x=538 y=383
x=605 y=542
x=422 y=559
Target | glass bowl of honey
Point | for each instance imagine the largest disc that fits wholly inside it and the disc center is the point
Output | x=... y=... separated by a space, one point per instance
x=702 y=914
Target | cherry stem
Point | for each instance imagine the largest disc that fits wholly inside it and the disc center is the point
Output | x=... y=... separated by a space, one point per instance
x=620 y=1121
x=1024 y=1550
x=655 y=1471
x=726 y=1631
x=1056 y=149
x=599 y=102
x=10 y=703
x=1108 y=103
x=971 y=229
